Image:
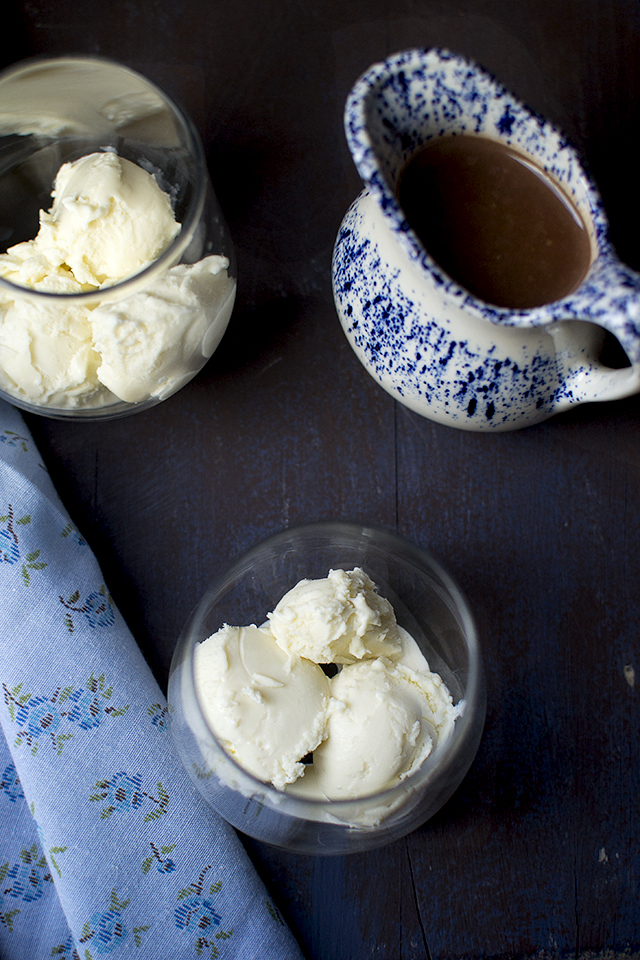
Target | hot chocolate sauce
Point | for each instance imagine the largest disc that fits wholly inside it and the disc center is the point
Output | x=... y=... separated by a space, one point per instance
x=494 y=221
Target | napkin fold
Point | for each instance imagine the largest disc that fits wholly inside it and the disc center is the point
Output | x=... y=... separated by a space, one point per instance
x=106 y=848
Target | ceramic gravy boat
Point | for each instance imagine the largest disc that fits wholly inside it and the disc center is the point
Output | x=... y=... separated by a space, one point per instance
x=431 y=344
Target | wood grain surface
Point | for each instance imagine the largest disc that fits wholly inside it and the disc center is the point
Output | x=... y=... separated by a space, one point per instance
x=537 y=854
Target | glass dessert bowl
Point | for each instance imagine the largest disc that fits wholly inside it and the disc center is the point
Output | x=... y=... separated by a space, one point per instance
x=316 y=812
x=117 y=272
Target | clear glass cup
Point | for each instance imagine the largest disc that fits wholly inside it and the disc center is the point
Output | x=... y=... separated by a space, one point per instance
x=428 y=604
x=54 y=111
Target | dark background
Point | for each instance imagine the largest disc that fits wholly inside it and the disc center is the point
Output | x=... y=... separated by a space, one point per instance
x=537 y=853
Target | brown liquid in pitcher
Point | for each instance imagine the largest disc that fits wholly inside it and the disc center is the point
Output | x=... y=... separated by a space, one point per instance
x=494 y=221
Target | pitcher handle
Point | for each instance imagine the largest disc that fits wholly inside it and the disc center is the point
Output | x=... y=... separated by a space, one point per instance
x=610 y=298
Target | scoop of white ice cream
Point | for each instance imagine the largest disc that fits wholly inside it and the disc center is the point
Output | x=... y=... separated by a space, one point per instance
x=337 y=619
x=148 y=339
x=268 y=709
x=26 y=265
x=46 y=354
x=384 y=721
x=109 y=220
x=147 y=344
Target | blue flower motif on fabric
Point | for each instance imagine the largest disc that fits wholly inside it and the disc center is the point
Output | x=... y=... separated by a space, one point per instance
x=96 y=607
x=37 y=717
x=159 y=856
x=10 y=783
x=10 y=545
x=13 y=439
x=124 y=792
x=65 y=951
x=88 y=705
x=70 y=531
x=105 y=930
x=9 y=550
x=159 y=715
x=197 y=916
x=28 y=876
x=85 y=709
x=42 y=717
x=24 y=881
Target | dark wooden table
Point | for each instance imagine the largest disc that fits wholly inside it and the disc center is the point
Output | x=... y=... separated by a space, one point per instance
x=537 y=855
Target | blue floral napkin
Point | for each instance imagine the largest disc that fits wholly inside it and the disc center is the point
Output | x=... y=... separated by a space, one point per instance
x=105 y=846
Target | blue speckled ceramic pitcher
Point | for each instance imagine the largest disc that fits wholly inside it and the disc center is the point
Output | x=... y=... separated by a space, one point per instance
x=432 y=345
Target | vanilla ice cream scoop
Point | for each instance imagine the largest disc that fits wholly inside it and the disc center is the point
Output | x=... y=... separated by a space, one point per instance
x=109 y=220
x=268 y=700
x=337 y=619
x=151 y=337
x=268 y=709
x=384 y=721
x=47 y=349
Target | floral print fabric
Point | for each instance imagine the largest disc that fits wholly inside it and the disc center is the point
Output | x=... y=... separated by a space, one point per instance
x=105 y=846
